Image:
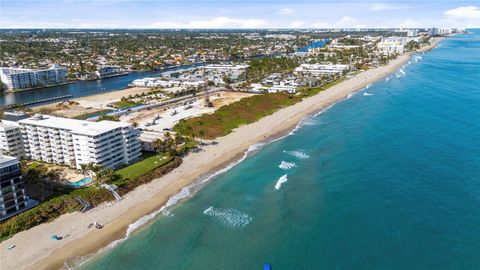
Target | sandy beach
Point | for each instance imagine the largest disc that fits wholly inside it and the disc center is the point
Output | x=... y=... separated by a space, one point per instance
x=35 y=250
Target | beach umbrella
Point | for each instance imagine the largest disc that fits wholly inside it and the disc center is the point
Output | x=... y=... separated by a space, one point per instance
x=54 y=237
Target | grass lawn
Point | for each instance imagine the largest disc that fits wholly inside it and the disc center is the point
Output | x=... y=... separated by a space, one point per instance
x=125 y=103
x=33 y=165
x=149 y=163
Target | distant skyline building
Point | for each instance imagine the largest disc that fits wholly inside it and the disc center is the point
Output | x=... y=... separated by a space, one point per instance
x=20 y=78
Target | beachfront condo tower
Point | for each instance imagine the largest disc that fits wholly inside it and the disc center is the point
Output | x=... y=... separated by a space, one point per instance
x=12 y=188
x=74 y=142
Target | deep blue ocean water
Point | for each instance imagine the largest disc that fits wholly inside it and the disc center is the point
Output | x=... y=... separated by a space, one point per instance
x=387 y=179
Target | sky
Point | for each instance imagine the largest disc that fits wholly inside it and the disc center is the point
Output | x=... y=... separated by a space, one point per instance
x=237 y=14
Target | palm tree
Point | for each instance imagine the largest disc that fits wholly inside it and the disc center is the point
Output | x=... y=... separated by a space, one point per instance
x=159 y=145
x=84 y=168
x=97 y=171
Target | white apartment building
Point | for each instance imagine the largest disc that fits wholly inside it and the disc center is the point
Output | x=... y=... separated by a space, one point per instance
x=412 y=33
x=18 y=78
x=10 y=136
x=159 y=82
x=74 y=142
x=11 y=140
x=216 y=73
x=321 y=69
x=106 y=71
x=390 y=47
x=394 y=45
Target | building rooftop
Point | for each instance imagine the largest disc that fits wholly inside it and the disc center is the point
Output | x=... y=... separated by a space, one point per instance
x=82 y=127
x=150 y=136
x=7 y=160
x=7 y=126
x=14 y=116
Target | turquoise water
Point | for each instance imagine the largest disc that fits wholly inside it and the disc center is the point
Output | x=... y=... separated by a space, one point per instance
x=316 y=44
x=387 y=179
x=80 y=183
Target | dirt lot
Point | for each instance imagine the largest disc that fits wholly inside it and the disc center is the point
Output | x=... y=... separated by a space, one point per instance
x=88 y=104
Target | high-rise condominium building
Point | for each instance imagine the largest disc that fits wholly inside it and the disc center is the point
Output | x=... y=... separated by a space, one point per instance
x=18 y=78
x=74 y=142
x=12 y=188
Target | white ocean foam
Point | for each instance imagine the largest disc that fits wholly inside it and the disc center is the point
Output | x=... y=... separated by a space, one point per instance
x=309 y=122
x=351 y=95
x=402 y=71
x=287 y=165
x=184 y=193
x=387 y=78
x=297 y=154
x=283 y=179
x=367 y=94
x=229 y=217
x=324 y=110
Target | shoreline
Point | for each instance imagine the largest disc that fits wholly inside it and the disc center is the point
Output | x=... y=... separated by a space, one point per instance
x=39 y=88
x=149 y=198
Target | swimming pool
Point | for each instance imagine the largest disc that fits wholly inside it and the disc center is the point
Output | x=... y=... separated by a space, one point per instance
x=83 y=182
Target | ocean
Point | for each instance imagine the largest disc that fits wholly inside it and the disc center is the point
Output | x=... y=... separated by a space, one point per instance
x=386 y=179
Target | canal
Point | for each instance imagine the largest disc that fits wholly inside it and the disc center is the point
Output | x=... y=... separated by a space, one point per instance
x=81 y=88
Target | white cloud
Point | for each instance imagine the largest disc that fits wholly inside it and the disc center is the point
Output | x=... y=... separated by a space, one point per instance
x=285 y=11
x=469 y=12
x=218 y=22
x=296 y=24
x=387 y=6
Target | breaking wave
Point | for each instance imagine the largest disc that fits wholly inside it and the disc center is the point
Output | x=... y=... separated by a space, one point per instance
x=283 y=179
x=185 y=192
x=297 y=154
x=287 y=165
x=229 y=217
x=367 y=94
